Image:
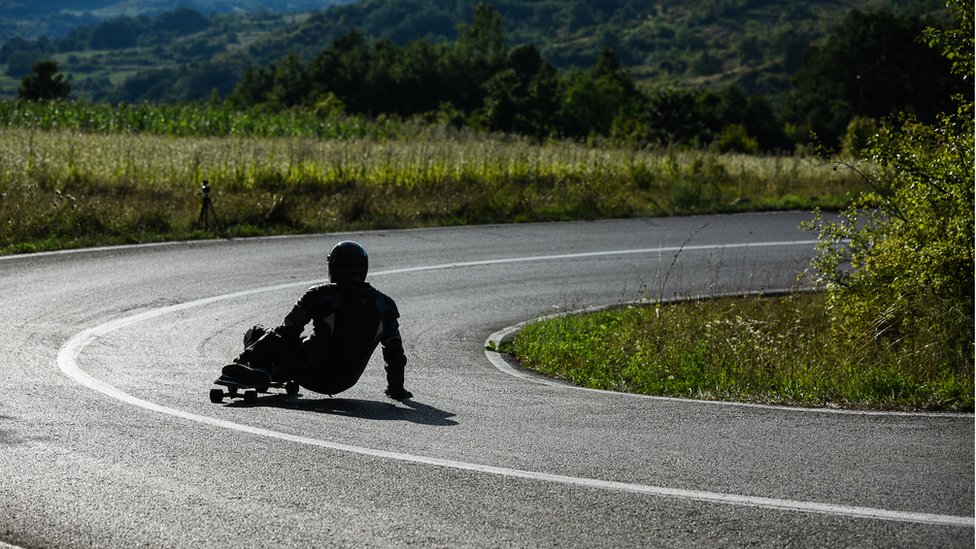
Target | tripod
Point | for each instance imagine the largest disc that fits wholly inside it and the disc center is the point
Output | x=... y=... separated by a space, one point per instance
x=206 y=209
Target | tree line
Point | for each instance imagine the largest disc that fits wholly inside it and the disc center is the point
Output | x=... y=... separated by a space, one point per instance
x=870 y=67
x=479 y=81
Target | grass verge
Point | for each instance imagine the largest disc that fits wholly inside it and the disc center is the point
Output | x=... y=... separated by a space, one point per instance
x=772 y=350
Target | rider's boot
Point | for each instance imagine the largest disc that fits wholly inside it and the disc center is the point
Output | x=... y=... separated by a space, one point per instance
x=246 y=374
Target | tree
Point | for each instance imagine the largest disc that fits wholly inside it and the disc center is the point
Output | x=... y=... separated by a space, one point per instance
x=898 y=264
x=342 y=69
x=673 y=116
x=522 y=97
x=595 y=101
x=873 y=65
x=45 y=84
x=421 y=77
x=290 y=86
x=254 y=86
x=482 y=41
x=730 y=110
x=479 y=53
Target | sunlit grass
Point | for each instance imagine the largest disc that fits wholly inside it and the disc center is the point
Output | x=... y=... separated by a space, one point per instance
x=68 y=188
x=776 y=350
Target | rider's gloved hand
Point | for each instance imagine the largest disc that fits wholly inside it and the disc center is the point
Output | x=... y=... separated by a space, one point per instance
x=398 y=393
x=393 y=353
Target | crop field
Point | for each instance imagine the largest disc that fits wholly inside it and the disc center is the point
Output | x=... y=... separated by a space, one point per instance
x=64 y=188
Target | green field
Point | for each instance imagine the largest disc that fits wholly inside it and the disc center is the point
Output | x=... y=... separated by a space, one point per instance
x=74 y=187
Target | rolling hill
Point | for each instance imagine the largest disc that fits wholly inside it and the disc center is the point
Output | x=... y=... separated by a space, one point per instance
x=157 y=56
x=31 y=19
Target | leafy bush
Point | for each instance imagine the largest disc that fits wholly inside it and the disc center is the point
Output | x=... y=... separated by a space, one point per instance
x=859 y=132
x=898 y=265
x=735 y=138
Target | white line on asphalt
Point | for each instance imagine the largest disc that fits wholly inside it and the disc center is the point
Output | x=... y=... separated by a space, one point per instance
x=68 y=363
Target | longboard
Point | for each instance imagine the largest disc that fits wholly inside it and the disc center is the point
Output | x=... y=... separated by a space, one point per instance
x=248 y=392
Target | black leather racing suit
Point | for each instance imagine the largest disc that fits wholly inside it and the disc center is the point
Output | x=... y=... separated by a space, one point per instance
x=349 y=319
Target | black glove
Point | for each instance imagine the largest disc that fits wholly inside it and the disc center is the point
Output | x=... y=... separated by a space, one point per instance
x=398 y=393
x=395 y=361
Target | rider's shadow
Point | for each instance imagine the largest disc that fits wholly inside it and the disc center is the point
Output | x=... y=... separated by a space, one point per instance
x=407 y=410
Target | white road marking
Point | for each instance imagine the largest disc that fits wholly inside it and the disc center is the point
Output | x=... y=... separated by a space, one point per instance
x=68 y=363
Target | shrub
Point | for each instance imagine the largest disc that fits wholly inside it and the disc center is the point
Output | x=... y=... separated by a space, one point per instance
x=898 y=265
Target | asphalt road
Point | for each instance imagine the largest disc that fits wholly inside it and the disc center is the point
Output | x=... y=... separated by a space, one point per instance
x=107 y=437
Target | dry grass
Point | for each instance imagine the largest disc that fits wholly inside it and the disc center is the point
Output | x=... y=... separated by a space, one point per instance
x=66 y=188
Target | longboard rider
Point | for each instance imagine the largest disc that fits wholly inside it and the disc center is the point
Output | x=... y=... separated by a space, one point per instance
x=349 y=320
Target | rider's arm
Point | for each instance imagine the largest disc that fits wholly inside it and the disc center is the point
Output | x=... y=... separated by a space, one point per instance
x=314 y=301
x=395 y=358
x=294 y=322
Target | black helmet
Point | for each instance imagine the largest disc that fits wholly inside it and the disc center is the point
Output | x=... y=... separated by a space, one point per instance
x=348 y=260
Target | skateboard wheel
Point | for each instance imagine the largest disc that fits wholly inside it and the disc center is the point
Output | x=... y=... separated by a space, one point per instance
x=216 y=396
x=291 y=388
x=250 y=396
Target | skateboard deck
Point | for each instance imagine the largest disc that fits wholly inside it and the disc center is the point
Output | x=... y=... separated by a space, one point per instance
x=246 y=391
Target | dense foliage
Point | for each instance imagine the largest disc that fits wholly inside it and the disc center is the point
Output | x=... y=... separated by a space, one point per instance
x=481 y=82
x=756 y=45
x=507 y=68
x=872 y=66
x=898 y=267
x=517 y=90
x=185 y=55
x=894 y=328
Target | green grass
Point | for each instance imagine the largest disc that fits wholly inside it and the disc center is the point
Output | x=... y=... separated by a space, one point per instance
x=776 y=350
x=136 y=179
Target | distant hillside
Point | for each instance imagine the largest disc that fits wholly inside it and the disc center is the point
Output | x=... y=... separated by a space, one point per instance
x=32 y=19
x=756 y=44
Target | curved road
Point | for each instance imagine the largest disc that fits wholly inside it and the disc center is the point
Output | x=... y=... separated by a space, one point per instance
x=107 y=437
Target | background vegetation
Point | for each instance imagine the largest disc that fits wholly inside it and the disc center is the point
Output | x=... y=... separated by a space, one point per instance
x=65 y=188
x=473 y=75
x=898 y=266
x=893 y=328
x=756 y=47
x=54 y=18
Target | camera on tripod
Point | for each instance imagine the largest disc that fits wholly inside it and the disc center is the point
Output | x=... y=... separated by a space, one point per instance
x=206 y=208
